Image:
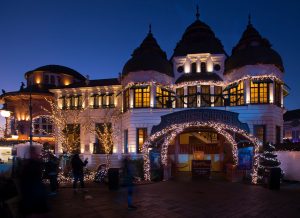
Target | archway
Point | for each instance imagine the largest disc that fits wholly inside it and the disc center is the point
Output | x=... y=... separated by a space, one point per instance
x=170 y=131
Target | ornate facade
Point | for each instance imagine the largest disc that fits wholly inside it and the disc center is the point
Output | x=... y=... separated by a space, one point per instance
x=200 y=75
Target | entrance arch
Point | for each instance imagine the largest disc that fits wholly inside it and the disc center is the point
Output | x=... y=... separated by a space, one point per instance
x=173 y=124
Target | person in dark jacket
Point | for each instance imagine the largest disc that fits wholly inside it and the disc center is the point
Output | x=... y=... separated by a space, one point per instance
x=77 y=168
x=52 y=171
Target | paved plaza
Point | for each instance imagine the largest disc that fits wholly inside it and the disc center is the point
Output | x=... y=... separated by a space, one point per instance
x=180 y=198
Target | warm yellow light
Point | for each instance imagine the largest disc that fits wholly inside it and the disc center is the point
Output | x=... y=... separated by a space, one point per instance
x=15 y=137
x=5 y=113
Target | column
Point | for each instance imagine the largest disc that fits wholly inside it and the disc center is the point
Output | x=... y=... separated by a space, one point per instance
x=131 y=93
x=185 y=92
x=281 y=95
x=198 y=96
x=247 y=93
x=153 y=95
x=212 y=97
x=271 y=93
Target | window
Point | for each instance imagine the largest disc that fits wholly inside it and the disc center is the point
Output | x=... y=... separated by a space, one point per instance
x=126 y=141
x=236 y=94
x=72 y=134
x=192 y=96
x=42 y=126
x=96 y=101
x=259 y=93
x=103 y=132
x=46 y=79
x=126 y=100
x=278 y=90
x=194 y=67
x=64 y=103
x=111 y=100
x=163 y=98
x=142 y=97
x=52 y=80
x=205 y=96
x=180 y=98
x=218 y=101
x=58 y=81
x=141 y=135
x=278 y=134
x=203 y=67
x=260 y=132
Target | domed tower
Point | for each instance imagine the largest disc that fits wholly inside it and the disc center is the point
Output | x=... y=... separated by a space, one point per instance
x=255 y=62
x=198 y=65
x=148 y=63
x=144 y=72
x=254 y=77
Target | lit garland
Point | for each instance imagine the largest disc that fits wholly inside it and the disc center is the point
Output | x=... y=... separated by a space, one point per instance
x=172 y=131
x=222 y=83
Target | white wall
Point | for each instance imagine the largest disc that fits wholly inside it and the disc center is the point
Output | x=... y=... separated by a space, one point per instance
x=290 y=164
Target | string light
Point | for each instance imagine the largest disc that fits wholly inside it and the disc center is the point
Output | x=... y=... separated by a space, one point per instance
x=172 y=131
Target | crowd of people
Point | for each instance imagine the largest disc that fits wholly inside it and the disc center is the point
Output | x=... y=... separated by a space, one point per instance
x=33 y=193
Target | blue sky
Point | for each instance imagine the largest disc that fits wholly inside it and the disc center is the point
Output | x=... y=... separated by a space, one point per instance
x=98 y=37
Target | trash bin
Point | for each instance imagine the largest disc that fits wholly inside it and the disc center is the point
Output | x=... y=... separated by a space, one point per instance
x=113 y=178
x=274 y=178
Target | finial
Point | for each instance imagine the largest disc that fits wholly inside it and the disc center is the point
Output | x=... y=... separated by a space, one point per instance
x=150 y=28
x=197 y=14
x=249 y=19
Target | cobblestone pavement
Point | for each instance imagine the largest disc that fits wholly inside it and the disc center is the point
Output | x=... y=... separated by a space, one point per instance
x=180 y=199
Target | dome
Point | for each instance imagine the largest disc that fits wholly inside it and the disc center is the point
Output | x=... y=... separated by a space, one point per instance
x=57 y=69
x=252 y=49
x=148 y=56
x=203 y=76
x=198 y=38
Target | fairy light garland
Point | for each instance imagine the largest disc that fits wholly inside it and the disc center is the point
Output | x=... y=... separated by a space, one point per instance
x=221 y=83
x=172 y=131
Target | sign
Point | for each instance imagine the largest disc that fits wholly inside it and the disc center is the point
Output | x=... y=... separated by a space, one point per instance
x=201 y=168
x=245 y=158
x=155 y=160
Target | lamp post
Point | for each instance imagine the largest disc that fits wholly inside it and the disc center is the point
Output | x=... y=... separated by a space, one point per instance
x=30 y=117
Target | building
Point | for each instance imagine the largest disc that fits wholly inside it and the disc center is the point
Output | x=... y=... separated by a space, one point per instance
x=16 y=104
x=291 y=126
x=201 y=103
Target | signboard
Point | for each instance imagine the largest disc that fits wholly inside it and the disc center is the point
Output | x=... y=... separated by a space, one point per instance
x=201 y=168
x=245 y=158
x=154 y=156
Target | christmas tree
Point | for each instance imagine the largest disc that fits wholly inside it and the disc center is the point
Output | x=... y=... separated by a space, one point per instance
x=267 y=160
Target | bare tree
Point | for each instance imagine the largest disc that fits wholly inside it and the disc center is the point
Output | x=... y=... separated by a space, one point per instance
x=66 y=124
x=108 y=132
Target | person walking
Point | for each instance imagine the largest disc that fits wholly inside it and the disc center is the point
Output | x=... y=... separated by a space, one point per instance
x=129 y=175
x=77 y=168
x=52 y=171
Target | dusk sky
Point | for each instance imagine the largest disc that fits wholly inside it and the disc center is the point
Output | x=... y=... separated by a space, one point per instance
x=98 y=37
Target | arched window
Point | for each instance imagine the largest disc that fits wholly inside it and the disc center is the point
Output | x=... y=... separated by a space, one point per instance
x=42 y=126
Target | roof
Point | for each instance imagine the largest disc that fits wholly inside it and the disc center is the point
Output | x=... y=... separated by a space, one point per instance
x=34 y=89
x=204 y=76
x=291 y=115
x=92 y=83
x=148 y=56
x=57 y=69
x=198 y=38
x=252 y=49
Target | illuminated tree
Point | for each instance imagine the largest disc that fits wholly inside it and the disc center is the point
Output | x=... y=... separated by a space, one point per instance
x=108 y=132
x=267 y=160
x=66 y=124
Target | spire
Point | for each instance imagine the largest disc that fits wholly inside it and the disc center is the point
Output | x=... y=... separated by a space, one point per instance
x=150 y=28
x=197 y=13
x=249 y=19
